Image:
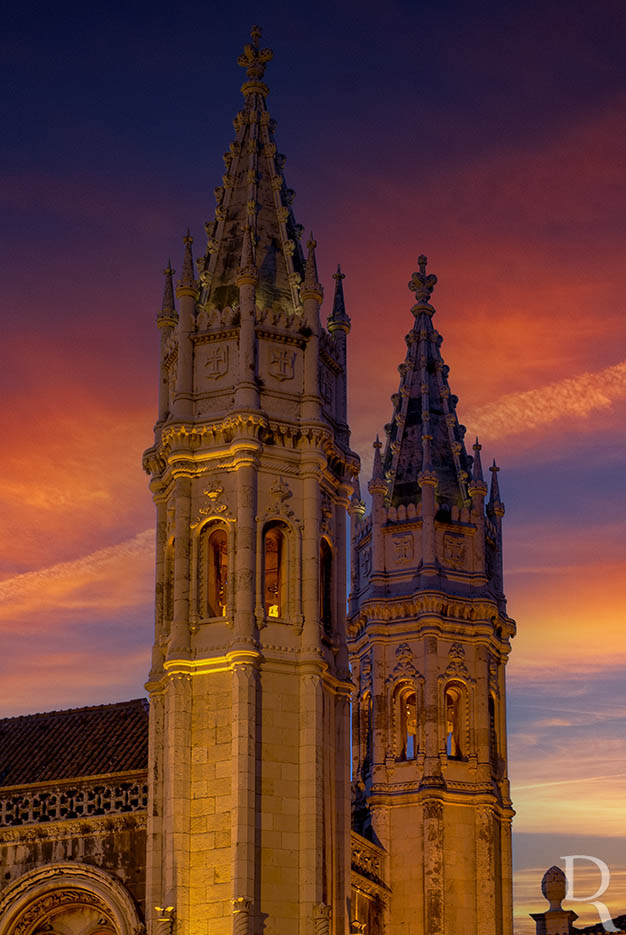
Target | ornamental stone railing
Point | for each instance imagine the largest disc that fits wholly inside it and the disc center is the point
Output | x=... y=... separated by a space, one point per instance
x=78 y=800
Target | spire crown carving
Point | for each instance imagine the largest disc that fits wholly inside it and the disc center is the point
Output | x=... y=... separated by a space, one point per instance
x=422 y=284
x=254 y=60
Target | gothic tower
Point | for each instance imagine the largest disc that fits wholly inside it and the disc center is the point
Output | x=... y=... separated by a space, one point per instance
x=251 y=475
x=429 y=638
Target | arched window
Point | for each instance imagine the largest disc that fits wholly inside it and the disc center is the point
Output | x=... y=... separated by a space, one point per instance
x=274 y=571
x=326 y=569
x=454 y=698
x=408 y=724
x=217 y=573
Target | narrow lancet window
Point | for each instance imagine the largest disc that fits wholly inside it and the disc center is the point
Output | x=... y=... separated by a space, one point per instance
x=454 y=722
x=326 y=567
x=273 y=571
x=217 y=573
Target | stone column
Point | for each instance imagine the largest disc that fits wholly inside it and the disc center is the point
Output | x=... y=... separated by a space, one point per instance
x=244 y=686
x=427 y=480
x=183 y=398
x=154 y=855
x=245 y=558
x=156 y=668
x=311 y=469
x=177 y=793
x=434 y=892
x=179 y=642
x=311 y=403
x=164 y=383
x=311 y=792
x=481 y=708
x=241 y=915
x=432 y=763
x=507 y=876
x=247 y=391
x=485 y=871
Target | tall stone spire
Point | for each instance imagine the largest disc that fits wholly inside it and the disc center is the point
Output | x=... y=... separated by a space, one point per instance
x=424 y=406
x=253 y=193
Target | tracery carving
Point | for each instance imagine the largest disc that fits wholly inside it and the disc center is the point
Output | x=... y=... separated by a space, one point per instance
x=78 y=801
x=456 y=666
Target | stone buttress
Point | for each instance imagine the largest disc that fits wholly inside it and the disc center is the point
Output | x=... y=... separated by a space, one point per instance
x=429 y=638
x=251 y=469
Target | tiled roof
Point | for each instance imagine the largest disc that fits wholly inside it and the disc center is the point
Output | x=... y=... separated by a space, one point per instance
x=110 y=738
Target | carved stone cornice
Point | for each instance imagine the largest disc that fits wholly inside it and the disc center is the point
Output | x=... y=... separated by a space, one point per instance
x=94 y=825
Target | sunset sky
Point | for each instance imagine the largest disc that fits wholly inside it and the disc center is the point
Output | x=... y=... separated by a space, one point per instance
x=490 y=136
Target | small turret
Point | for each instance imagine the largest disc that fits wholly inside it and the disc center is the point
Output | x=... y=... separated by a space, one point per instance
x=168 y=316
x=166 y=321
x=186 y=292
x=477 y=489
x=338 y=320
x=495 y=505
x=187 y=280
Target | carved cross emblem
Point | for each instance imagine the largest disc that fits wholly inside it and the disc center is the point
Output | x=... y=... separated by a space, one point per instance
x=217 y=361
x=403 y=546
x=282 y=364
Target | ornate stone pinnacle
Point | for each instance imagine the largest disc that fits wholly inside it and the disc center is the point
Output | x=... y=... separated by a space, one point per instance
x=421 y=284
x=254 y=59
x=339 y=274
x=168 y=308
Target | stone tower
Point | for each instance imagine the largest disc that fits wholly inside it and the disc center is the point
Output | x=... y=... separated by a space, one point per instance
x=248 y=828
x=429 y=638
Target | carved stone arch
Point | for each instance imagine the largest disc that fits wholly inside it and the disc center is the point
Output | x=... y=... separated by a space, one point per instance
x=46 y=892
x=292 y=533
x=399 y=689
x=465 y=687
x=200 y=534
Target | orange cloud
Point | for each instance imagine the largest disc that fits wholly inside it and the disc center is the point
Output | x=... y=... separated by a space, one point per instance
x=115 y=578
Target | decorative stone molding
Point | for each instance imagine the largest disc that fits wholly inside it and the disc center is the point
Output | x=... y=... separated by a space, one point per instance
x=214 y=505
x=456 y=667
x=60 y=830
x=242 y=907
x=29 y=901
x=322 y=915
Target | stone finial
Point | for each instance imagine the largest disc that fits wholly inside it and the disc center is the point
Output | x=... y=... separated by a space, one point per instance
x=421 y=284
x=377 y=470
x=168 y=308
x=357 y=506
x=554 y=887
x=428 y=475
x=247 y=273
x=477 y=483
x=311 y=287
x=187 y=280
x=338 y=318
x=254 y=59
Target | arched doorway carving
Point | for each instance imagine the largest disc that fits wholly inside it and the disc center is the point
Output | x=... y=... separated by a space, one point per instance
x=68 y=899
